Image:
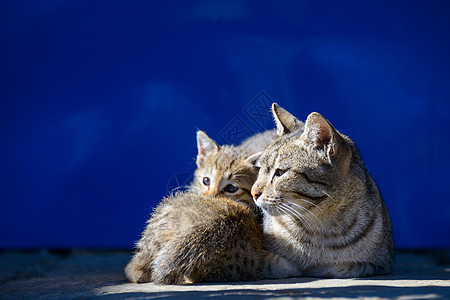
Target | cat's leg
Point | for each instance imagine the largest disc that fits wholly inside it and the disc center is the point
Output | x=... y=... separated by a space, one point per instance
x=345 y=270
x=138 y=269
x=276 y=266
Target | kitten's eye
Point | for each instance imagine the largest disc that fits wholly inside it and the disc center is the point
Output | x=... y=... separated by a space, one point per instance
x=279 y=172
x=206 y=181
x=231 y=189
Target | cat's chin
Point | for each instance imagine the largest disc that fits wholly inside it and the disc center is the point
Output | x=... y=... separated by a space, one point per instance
x=267 y=208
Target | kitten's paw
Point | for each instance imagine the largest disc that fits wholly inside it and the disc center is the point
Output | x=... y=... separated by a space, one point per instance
x=137 y=275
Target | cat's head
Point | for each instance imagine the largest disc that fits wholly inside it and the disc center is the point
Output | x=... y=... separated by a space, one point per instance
x=302 y=166
x=223 y=170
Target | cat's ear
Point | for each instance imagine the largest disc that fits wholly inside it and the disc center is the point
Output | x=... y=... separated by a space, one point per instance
x=205 y=145
x=286 y=123
x=253 y=159
x=320 y=132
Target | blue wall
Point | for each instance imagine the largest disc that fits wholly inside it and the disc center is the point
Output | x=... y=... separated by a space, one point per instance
x=100 y=101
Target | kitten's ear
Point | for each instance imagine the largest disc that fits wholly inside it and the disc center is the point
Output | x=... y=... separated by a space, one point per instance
x=286 y=123
x=253 y=159
x=319 y=131
x=205 y=145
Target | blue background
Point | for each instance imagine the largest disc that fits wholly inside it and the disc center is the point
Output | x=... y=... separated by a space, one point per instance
x=100 y=101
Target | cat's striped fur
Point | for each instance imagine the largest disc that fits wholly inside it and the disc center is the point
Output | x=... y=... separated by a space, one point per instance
x=322 y=210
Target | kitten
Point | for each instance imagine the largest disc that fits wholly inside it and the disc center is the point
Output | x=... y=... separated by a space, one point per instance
x=193 y=238
x=227 y=170
x=322 y=210
x=214 y=234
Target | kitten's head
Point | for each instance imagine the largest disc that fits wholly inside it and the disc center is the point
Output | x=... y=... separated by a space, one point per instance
x=302 y=167
x=223 y=170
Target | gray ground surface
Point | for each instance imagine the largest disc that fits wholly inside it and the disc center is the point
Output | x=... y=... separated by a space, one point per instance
x=99 y=274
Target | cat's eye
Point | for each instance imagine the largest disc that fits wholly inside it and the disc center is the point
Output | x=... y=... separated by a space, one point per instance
x=279 y=172
x=206 y=181
x=231 y=189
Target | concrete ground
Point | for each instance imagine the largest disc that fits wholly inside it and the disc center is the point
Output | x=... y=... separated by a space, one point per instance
x=79 y=274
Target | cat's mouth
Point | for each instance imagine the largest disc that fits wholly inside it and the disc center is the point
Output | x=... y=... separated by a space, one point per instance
x=268 y=204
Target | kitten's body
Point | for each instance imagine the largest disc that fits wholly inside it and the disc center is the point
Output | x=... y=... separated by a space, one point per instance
x=322 y=210
x=193 y=238
x=212 y=233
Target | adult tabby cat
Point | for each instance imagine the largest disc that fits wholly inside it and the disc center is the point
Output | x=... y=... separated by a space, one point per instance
x=322 y=210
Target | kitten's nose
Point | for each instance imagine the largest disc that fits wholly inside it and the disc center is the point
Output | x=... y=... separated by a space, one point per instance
x=212 y=192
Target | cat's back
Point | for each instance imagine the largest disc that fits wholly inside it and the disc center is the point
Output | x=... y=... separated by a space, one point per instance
x=258 y=142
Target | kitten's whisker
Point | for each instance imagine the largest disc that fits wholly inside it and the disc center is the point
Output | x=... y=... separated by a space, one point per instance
x=181 y=187
x=195 y=189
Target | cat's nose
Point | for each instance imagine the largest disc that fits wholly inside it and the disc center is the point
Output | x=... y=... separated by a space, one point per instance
x=256 y=192
x=256 y=195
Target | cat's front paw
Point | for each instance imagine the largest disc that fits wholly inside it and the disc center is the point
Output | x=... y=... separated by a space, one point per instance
x=276 y=266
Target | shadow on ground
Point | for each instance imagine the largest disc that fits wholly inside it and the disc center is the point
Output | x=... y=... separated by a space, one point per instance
x=377 y=292
x=99 y=274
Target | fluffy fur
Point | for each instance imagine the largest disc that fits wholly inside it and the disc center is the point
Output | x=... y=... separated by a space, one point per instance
x=193 y=238
x=212 y=233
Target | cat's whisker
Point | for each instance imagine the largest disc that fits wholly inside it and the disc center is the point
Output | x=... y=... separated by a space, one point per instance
x=307 y=201
x=276 y=208
x=272 y=208
x=301 y=207
x=308 y=211
x=328 y=195
x=305 y=220
x=292 y=212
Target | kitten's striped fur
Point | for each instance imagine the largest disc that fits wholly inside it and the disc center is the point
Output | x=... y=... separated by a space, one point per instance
x=227 y=170
x=211 y=233
x=193 y=238
x=322 y=210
